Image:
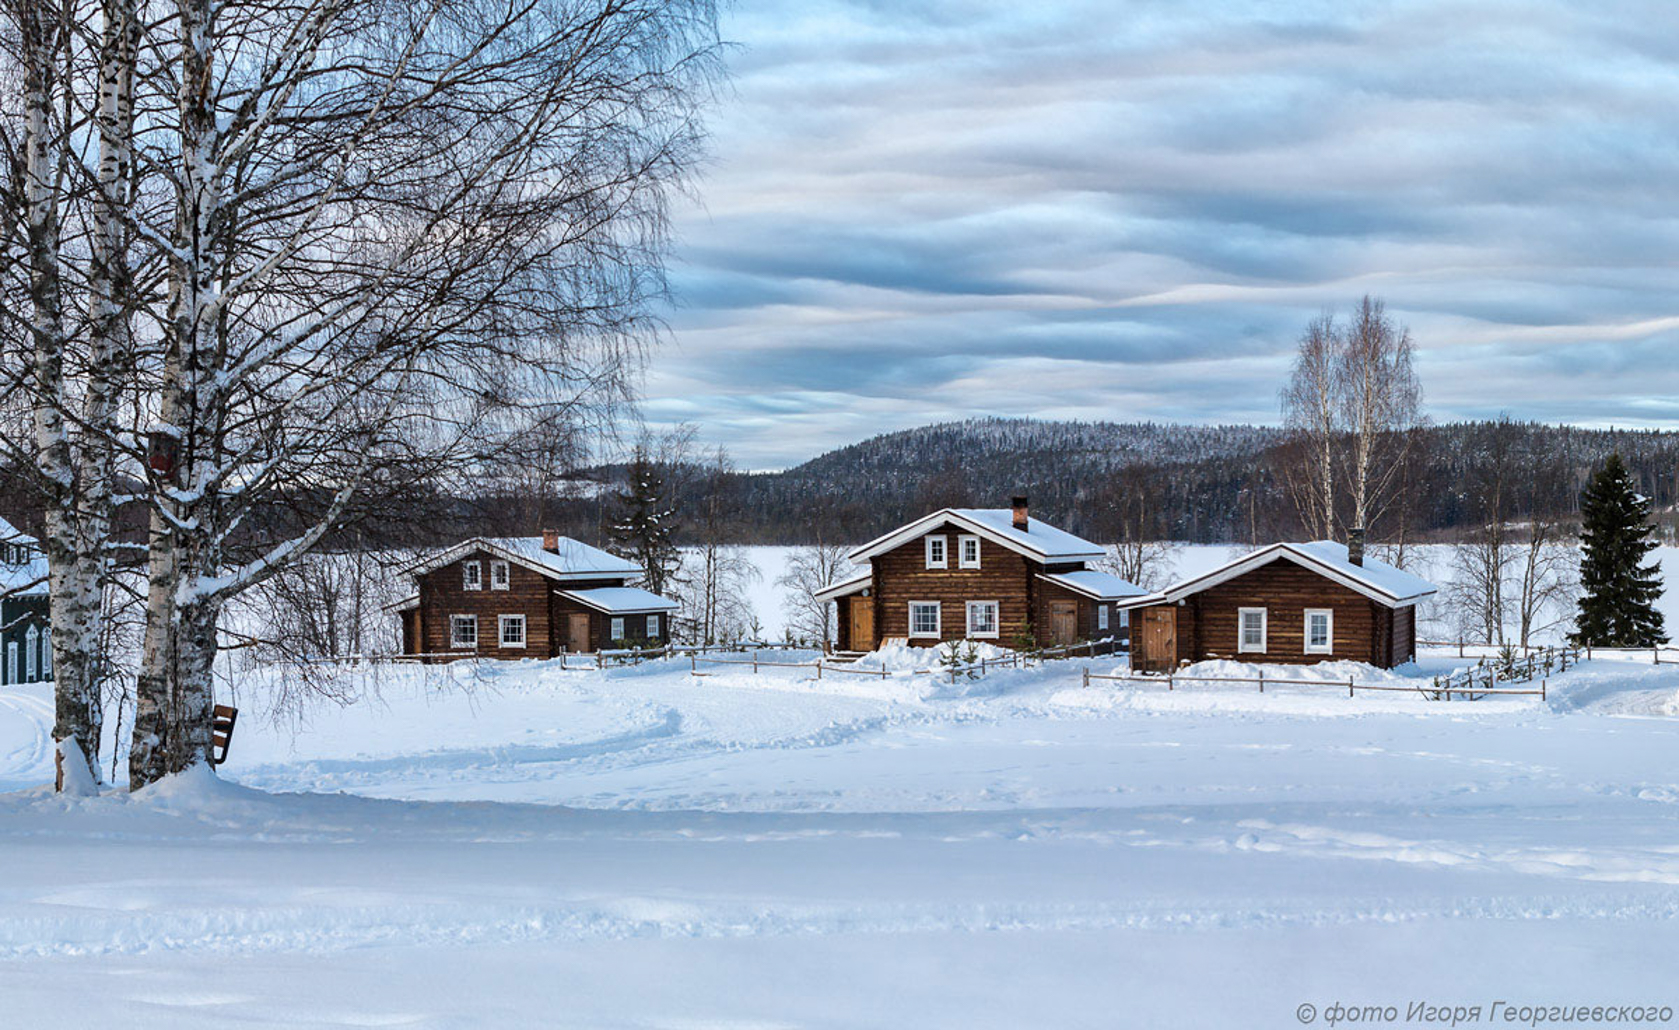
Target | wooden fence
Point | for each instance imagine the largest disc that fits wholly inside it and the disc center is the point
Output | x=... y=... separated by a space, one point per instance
x=1433 y=692
x=1664 y=654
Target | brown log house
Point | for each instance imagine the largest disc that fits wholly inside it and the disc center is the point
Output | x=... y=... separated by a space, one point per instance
x=1292 y=603
x=527 y=597
x=984 y=574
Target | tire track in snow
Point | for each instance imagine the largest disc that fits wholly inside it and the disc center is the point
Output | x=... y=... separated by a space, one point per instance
x=28 y=762
x=305 y=928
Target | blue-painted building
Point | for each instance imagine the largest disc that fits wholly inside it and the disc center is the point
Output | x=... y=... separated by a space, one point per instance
x=25 y=621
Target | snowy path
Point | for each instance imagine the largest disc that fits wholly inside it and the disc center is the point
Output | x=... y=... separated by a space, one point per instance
x=647 y=849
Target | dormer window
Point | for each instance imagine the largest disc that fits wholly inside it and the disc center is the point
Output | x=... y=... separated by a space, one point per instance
x=500 y=575
x=938 y=555
x=472 y=576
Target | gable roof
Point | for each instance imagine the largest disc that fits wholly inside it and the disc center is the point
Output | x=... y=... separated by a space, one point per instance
x=10 y=534
x=1098 y=586
x=1376 y=580
x=620 y=600
x=28 y=579
x=1039 y=540
x=573 y=560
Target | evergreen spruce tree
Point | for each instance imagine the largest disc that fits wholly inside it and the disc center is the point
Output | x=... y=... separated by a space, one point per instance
x=1617 y=608
x=643 y=527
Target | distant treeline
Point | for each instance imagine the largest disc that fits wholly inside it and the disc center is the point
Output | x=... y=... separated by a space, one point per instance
x=1207 y=484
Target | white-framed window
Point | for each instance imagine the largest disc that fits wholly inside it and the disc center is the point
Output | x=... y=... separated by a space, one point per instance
x=652 y=627
x=1250 y=630
x=1101 y=616
x=1320 y=631
x=1125 y=618
x=938 y=556
x=11 y=661
x=982 y=619
x=967 y=552
x=512 y=629
x=31 y=648
x=924 y=619
x=501 y=576
x=472 y=576
x=617 y=627
x=463 y=631
x=46 y=653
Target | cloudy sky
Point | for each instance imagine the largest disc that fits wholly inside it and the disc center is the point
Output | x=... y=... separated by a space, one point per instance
x=1127 y=210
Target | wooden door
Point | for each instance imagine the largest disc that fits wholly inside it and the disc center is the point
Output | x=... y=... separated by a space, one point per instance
x=1156 y=646
x=579 y=633
x=862 y=624
x=1063 y=622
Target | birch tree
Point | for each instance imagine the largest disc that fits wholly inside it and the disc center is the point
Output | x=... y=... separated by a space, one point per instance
x=399 y=233
x=1380 y=401
x=717 y=574
x=1351 y=405
x=1310 y=409
x=809 y=569
x=71 y=363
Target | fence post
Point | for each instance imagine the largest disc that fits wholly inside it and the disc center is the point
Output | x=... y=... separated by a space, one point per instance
x=1087 y=679
x=1168 y=680
x=1460 y=647
x=1543 y=684
x=754 y=663
x=1262 y=681
x=818 y=668
x=1350 y=687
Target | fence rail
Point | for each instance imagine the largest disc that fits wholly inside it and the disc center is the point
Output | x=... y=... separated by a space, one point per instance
x=1352 y=686
x=1464 y=647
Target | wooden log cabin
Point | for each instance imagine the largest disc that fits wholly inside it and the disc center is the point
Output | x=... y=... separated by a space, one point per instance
x=527 y=597
x=25 y=611
x=1293 y=603
x=984 y=574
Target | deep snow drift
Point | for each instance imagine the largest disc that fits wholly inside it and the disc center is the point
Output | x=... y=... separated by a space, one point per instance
x=517 y=845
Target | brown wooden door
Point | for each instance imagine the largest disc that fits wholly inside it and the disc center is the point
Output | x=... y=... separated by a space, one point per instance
x=862 y=624
x=1156 y=647
x=579 y=635
x=1063 y=622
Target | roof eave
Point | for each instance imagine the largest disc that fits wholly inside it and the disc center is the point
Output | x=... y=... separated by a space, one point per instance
x=910 y=530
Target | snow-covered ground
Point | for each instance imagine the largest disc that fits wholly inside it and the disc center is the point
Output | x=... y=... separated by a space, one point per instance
x=516 y=845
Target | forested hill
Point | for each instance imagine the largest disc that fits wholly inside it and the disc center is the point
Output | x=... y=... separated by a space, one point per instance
x=1202 y=483
x=1210 y=484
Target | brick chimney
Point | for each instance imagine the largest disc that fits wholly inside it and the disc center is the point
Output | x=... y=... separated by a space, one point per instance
x=1020 y=512
x=1355 y=545
x=551 y=540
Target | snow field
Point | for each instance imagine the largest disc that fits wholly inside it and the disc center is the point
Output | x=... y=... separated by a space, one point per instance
x=519 y=845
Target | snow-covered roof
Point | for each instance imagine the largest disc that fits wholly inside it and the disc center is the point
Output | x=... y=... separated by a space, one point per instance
x=572 y=559
x=1374 y=579
x=842 y=587
x=411 y=601
x=29 y=578
x=10 y=534
x=1099 y=586
x=1039 y=540
x=620 y=600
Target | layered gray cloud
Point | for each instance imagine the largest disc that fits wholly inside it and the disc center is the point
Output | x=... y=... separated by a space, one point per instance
x=1128 y=210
